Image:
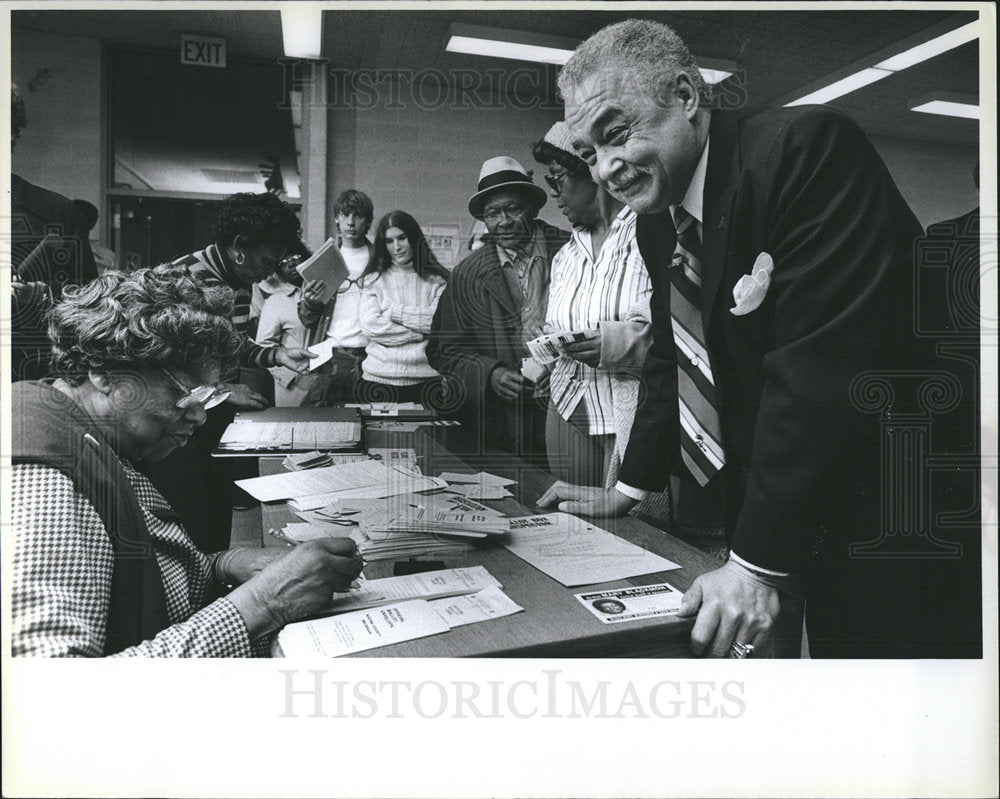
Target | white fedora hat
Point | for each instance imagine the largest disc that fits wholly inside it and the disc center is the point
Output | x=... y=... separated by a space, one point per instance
x=503 y=172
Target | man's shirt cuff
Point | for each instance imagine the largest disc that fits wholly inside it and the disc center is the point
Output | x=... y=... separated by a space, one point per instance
x=746 y=564
x=638 y=494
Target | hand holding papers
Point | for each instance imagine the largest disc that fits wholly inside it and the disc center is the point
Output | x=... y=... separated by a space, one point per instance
x=325 y=264
x=546 y=349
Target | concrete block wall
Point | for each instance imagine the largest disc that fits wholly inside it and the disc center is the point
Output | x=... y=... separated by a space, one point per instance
x=427 y=162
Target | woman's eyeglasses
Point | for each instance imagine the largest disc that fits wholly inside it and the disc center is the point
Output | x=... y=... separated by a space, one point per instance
x=555 y=181
x=206 y=396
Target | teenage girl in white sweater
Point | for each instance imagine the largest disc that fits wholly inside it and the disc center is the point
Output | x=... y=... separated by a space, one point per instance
x=400 y=291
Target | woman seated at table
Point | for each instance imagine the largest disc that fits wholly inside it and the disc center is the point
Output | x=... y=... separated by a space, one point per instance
x=400 y=291
x=599 y=282
x=102 y=565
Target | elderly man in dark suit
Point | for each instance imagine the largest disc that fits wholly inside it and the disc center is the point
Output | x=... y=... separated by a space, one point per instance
x=494 y=304
x=781 y=256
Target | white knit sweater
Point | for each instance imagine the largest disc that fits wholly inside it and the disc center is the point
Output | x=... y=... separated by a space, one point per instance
x=396 y=312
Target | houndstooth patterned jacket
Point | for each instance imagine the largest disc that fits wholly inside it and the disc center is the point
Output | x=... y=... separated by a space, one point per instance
x=62 y=576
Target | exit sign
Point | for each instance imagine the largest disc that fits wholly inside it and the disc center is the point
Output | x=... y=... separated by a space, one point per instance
x=203 y=51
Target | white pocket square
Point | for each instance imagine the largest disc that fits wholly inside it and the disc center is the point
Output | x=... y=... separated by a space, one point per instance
x=750 y=290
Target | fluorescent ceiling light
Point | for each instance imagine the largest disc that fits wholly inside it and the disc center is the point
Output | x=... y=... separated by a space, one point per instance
x=948 y=109
x=497 y=49
x=947 y=104
x=885 y=66
x=473 y=40
x=929 y=49
x=302 y=30
x=842 y=86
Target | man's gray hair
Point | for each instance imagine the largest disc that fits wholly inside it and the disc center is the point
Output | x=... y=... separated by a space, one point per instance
x=648 y=54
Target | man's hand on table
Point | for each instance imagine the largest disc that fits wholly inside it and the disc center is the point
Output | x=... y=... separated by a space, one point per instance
x=585 y=500
x=732 y=605
x=298 y=584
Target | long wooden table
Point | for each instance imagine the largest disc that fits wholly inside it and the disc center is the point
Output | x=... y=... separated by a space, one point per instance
x=554 y=623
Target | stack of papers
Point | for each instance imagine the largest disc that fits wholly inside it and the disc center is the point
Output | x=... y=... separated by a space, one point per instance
x=404 y=526
x=302 y=436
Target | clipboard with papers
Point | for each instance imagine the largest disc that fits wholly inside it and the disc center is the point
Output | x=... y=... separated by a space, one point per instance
x=280 y=431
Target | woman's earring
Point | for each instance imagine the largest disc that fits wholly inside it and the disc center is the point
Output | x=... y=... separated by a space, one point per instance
x=240 y=258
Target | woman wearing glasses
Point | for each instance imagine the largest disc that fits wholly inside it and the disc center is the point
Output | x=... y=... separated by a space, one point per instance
x=599 y=283
x=400 y=291
x=102 y=564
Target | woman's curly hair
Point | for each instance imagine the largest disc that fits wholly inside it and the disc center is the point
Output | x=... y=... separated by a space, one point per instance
x=259 y=219
x=160 y=316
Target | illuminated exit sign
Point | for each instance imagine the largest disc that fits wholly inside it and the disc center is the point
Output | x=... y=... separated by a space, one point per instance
x=203 y=51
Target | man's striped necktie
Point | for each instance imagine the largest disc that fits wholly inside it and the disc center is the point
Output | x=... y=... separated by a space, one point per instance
x=701 y=434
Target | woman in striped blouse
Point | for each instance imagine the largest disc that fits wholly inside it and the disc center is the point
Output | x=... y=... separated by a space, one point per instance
x=599 y=283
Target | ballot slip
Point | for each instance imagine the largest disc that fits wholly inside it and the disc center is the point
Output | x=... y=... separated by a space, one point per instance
x=360 y=630
x=575 y=552
x=423 y=585
x=479 y=478
x=326 y=264
x=632 y=604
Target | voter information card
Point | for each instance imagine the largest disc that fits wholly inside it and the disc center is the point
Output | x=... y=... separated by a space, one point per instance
x=632 y=604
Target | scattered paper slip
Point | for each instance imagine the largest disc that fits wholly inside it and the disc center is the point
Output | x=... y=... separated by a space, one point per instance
x=477 y=491
x=298 y=532
x=482 y=478
x=425 y=585
x=360 y=478
x=575 y=552
x=631 y=604
x=324 y=351
x=490 y=603
x=403 y=484
x=405 y=458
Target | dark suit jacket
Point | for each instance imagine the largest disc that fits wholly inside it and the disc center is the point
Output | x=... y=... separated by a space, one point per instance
x=806 y=186
x=477 y=327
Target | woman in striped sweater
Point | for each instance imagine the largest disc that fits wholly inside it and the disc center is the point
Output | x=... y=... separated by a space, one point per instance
x=400 y=291
x=599 y=282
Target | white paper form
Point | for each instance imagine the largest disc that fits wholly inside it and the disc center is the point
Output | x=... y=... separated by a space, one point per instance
x=361 y=630
x=426 y=585
x=490 y=603
x=575 y=552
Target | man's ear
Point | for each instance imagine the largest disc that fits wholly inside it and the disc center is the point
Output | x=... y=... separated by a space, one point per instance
x=687 y=94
